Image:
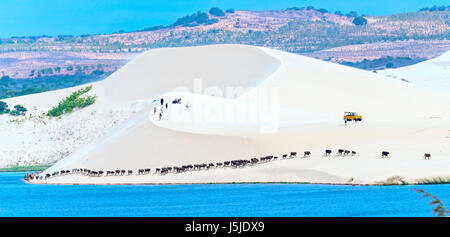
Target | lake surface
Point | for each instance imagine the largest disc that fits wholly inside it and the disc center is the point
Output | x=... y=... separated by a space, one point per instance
x=18 y=198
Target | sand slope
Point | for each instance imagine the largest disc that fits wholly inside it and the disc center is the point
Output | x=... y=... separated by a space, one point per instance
x=161 y=70
x=432 y=74
x=321 y=86
x=296 y=104
x=122 y=95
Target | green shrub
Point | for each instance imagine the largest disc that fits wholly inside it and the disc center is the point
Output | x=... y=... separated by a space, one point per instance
x=359 y=21
x=352 y=14
x=294 y=8
x=19 y=110
x=3 y=107
x=14 y=113
x=72 y=102
x=389 y=65
x=231 y=10
x=215 y=11
x=194 y=19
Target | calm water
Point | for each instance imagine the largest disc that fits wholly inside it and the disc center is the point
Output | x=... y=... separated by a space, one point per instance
x=20 y=199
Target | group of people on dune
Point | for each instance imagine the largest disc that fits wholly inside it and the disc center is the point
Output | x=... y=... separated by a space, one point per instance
x=166 y=106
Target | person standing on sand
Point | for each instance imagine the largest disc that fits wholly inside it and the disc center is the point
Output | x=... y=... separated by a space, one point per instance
x=345 y=120
x=167 y=105
x=160 y=115
x=162 y=101
x=154 y=110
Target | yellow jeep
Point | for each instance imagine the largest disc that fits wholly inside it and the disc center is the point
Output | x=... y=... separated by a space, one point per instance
x=350 y=116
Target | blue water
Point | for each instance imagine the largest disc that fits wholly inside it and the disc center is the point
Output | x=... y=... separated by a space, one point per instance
x=18 y=198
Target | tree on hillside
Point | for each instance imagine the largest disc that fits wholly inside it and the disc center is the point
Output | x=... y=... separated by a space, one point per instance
x=215 y=11
x=3 y=108
x=6 y=79
x=435 y=8
x=231 y=10
x=20 y=108
x=352 y=14
x=322 y=10
x=196 y=18
x=295 y=8
x=359 y=21
x=389 y=65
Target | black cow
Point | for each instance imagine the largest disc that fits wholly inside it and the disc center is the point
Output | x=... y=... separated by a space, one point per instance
x=254 y=161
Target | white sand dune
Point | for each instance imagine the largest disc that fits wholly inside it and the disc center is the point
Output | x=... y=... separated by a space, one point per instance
x=122 y=95
x=432 y=74
x=285 y=103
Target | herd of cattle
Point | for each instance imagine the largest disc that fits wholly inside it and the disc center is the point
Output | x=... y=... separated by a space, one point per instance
x=184 y=168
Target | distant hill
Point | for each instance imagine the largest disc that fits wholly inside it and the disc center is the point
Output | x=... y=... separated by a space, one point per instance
x=295 y=30
x=367 y=42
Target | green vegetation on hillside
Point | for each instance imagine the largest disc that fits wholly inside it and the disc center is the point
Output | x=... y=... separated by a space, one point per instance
x=215 y=11
x=17 y=87
x=4 y=108
x=18 y=110
x=199 y=18
x=231 y=10
x=359 y=21
x=299 y=36
x=435 y=8
x=383 y=63
x=72 y=102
